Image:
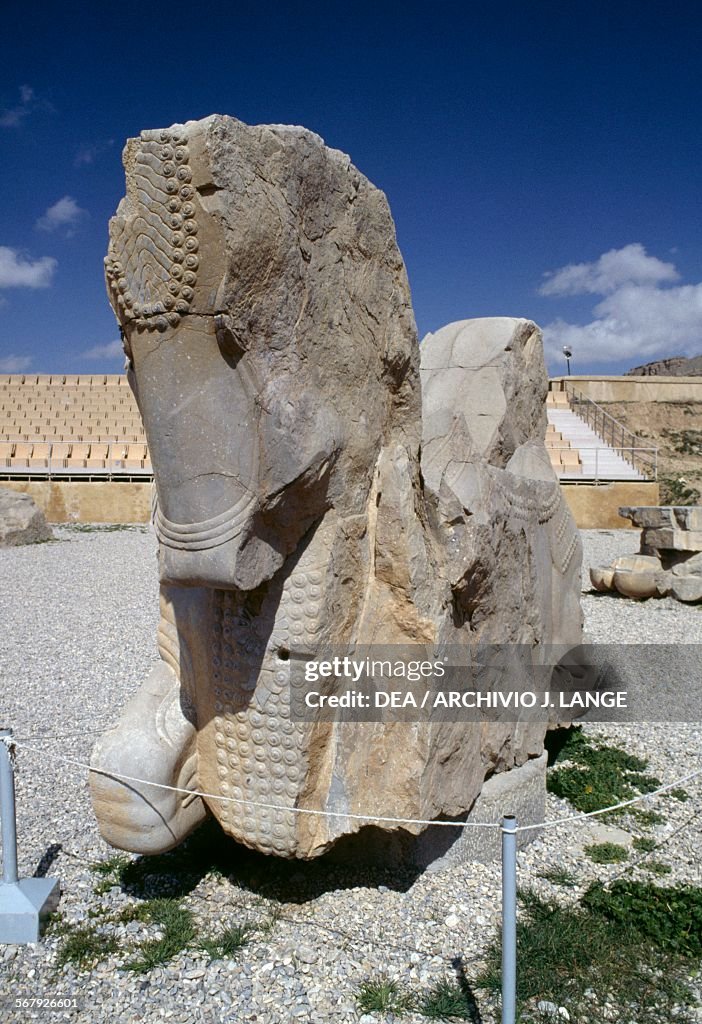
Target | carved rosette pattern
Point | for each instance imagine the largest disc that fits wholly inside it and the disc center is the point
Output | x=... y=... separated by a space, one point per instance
x=259 y=750
x=151 y=269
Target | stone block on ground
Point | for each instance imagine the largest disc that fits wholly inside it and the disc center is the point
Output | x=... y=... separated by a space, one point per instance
x=21 y=521
x=669 y=561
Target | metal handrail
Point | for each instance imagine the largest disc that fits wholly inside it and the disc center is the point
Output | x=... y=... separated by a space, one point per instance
x=624 y=441
x=605 y=448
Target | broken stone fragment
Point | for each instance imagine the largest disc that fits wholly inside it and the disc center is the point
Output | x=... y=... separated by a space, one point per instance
x=634 y=584
x=602 y=577
x=672 y=539
x=682 y=517
x=21 y=521
x=670 y=557
x=687 y=588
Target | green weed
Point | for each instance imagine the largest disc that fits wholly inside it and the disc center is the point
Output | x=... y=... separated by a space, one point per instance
x=178 y=932
x=447 y=1000
x=657 y=867
x=598 y=775
x=606 y=853
x=644 y=844
x=381 y=995
x=228 y=942
x=84 y=947
x=559 y=876
x=631 y=945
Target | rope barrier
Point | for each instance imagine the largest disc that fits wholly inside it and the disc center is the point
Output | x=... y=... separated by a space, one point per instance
x=64 y=736
x=255 y=803
x=11 y=742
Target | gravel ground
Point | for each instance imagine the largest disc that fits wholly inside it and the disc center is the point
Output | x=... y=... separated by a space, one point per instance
x=79 y=623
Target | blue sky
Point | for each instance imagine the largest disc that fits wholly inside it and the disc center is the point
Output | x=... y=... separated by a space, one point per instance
x=540 y=159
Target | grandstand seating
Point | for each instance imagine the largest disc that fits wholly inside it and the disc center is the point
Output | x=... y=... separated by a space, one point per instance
x=71 y=425
x=577 y=452
x=564 y=458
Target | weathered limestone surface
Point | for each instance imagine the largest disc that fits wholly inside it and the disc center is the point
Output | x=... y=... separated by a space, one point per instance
x=267 y=320
x=21 y=522
x=670 y=559
x=676 y=517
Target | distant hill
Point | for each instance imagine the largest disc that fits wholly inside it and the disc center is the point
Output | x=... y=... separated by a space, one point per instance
x=676 y=366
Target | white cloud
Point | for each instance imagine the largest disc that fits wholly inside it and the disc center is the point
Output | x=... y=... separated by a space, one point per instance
x=65 y=213
x=13 y=116
x=629 y=265
x=638 y=318
x=18 y=272
x=89 y=153
x=15 y=364
x=112 y=350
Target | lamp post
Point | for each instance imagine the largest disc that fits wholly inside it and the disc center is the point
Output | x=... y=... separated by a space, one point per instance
x=567 y=352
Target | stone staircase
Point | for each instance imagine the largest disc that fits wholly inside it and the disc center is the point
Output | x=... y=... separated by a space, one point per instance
x=579 y=452
x=598 y=461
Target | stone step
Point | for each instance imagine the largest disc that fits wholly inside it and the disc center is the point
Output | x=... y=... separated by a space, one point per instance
x=599 y=460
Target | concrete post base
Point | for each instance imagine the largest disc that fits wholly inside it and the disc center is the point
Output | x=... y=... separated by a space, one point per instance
x=23 y=904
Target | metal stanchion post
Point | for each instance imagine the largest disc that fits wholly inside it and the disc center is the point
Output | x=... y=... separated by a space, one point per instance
x=509 y=919
x=7 y=813
x=23 y=901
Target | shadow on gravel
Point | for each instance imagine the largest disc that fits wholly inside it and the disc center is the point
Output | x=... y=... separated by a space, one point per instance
x=209 y=851
x=48 y=857
x=614 y=595
x=458 y=965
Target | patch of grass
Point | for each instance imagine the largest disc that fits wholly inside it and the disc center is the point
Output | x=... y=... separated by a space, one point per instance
x=644 y=844
x=687 y=442
x=679 y=794
x=671 y=918
x=100 y=888
x=84 y=947
x=178 y=932
x=110 y=871
x=559 y=876
x=447 y=1001
x=56 y=924
x=630 y=947
x=606 y=853
x=137 y=912
x=644 y=783
x=267 y=926
x=95 y=913
x=381 y=995
x=646 y=817
x=111 y=866
x=677 y=491
x=657 y=867
x=598 y=775
x=228 y=942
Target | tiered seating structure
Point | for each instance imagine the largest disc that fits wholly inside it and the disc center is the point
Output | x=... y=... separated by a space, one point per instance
x=564 y=458
x=71 y=426
x=580 y=453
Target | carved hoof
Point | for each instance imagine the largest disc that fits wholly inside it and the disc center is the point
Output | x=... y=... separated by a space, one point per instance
x=155 y=742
